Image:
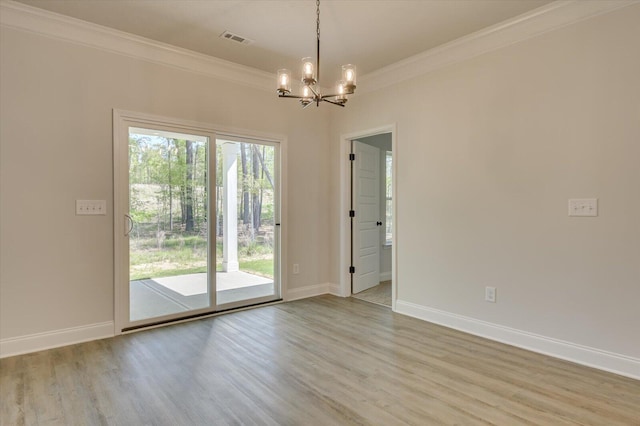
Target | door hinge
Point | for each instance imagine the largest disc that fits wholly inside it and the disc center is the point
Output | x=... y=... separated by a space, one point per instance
x=352 y=269
x=352 y=157
x=352 y=213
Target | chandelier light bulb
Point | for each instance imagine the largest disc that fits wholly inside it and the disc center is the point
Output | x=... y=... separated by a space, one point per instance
x=306 y=97
x=341 y=97
x=308 y=76
x=349 y=77
x=284 y=81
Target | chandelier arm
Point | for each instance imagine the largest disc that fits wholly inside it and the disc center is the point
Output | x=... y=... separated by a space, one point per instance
x=332 y=102
x=290 y=96
x=315 y=94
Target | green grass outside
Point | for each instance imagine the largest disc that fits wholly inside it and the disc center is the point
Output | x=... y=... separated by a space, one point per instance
x=189 y=256
x=262 y=267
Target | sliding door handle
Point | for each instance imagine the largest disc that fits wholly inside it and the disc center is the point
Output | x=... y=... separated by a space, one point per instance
x=129 y=226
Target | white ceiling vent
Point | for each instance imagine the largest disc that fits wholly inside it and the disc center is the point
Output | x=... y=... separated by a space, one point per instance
x=235 y=37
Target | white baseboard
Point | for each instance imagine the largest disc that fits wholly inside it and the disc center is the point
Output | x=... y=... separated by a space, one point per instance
x=307 y=291
x=385 y=276
x=591 y=357
x=335 y=290
x=69 y=336
x=54 y=339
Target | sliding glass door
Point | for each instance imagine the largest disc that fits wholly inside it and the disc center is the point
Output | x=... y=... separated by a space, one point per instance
x=197 y=222
x=247 y=232
x=168 y=224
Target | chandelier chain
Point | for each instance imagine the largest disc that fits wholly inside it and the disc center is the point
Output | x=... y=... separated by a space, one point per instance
x=318 y=45
x=318 y=18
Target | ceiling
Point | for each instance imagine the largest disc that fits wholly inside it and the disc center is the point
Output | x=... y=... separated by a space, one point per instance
x=370 y=34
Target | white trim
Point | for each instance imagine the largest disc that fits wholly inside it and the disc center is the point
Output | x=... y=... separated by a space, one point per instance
x=385 y=276
x=308 y=291
x=343 y=209
x=528 y=25
x=284 y=208
x=531 y=24
x=220 y=130
x=591 y=357
x=54 y=339
x=49 y=24
x=120 y=255
x=334 y=289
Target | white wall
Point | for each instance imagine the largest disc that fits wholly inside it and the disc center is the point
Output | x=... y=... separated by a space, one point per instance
x=488 y=152
x=56 y=146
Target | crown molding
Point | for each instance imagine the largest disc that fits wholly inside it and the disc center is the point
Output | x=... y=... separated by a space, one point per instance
x=53 y=25
x=528 y=25
x=531 y=24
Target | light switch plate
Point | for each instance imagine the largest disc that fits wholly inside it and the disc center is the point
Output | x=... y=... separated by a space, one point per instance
x=91 y=207
x=490 y=294
x=583 y=207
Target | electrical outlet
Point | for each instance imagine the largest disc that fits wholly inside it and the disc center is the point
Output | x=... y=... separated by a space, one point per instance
x=490 y=294
x=296 y=268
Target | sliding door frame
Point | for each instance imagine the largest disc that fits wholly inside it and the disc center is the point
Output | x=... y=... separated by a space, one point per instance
x=277 y=276
x=122 y=120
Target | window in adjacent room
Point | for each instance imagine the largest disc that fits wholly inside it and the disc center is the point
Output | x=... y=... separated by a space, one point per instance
x=388 y=198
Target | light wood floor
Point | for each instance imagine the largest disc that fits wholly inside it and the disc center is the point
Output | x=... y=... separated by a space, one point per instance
x=380 y=294
x=320 y=361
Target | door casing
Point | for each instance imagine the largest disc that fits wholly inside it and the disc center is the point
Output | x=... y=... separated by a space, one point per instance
x=345 y=203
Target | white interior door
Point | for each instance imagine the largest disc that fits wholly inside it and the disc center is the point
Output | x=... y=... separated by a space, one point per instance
x=366 y=233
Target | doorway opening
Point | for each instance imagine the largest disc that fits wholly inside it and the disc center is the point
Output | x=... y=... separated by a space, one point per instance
x=369 y=235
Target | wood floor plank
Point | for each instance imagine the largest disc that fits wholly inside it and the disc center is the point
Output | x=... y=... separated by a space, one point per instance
x=320 y=361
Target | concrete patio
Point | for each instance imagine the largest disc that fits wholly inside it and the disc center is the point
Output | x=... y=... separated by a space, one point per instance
x=156 y=297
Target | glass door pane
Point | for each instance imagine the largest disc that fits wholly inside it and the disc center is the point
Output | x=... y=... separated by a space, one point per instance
x=247 y=224
x=168 y=218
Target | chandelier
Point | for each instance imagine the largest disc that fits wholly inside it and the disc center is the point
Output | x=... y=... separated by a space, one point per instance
x=311 y=76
